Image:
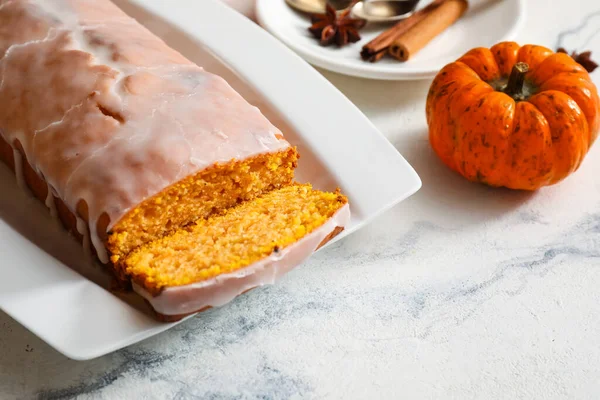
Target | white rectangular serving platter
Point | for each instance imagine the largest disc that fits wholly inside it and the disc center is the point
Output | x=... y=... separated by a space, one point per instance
x=48 y=285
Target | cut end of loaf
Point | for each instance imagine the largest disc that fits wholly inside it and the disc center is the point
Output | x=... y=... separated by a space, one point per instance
x=212 y=190
x=232 y=240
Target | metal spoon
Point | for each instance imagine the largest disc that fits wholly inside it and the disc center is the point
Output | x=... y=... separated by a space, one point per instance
x=317 y=6
x=384 y=10
x=370 y=10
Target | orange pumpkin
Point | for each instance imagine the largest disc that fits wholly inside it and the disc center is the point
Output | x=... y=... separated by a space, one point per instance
x=519 y=117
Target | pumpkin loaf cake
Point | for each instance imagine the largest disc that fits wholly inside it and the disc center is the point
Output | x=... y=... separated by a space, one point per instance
x=164 y=172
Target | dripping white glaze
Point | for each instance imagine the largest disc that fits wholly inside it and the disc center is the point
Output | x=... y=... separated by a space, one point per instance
x=151 y=117
x=101 y=251
x=18 y=160
x=51 y=204
x=215 y=292
x=83 y=230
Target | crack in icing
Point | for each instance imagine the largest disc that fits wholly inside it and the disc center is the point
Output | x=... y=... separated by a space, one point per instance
x=60 y=121
x=6 y=4
x=12 y=47
x=29 y=43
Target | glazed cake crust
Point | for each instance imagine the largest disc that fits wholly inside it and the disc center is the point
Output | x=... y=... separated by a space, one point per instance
x=107 y=114
x=126 y=141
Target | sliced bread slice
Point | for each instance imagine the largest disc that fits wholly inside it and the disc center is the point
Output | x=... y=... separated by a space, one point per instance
x=212 y=261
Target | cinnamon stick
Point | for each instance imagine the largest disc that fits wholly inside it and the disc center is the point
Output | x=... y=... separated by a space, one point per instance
x=378 y=47
x=434 y=23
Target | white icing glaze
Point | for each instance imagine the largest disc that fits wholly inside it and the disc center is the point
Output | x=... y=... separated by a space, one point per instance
x=222 y=289
x=83 y=230
x=51 y=204
x=18 y=160
x=101 y=251
x=113 y=114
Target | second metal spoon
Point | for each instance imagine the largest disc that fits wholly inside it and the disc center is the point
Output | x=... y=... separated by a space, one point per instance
x=370 y=10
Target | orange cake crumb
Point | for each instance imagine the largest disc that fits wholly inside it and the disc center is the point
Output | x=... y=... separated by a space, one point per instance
x=212 y=190
x=234 y=239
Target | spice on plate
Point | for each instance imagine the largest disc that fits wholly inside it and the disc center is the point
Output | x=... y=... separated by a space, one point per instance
x=584 y=59
x=434 y=23
x=332 y=28
x=377 y=48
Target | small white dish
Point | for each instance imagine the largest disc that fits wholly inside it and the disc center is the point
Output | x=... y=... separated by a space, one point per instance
x=69 y=306
x=486 y=23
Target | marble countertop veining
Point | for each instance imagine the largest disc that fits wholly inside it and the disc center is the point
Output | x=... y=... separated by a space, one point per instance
x=462 y=291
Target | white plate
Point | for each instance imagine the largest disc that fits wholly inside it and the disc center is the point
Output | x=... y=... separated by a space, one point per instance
x=486 y=23
x=339 y=147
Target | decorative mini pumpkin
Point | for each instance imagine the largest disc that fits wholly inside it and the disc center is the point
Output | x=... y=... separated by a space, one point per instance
x=519 y=117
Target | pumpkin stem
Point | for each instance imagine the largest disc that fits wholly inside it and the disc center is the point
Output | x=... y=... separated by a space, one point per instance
x=516 y=80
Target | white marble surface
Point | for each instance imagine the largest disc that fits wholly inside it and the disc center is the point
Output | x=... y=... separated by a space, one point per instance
x=460 y=292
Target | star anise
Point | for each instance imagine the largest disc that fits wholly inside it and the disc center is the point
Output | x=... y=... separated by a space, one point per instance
x=333 y=28
x=584 y=59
